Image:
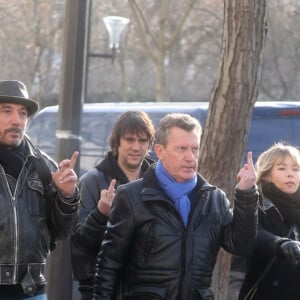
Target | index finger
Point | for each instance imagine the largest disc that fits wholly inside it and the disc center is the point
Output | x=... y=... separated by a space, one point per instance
x=73 y=159
x=249 y=159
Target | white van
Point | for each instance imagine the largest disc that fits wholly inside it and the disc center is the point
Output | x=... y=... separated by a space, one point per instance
x=271 y=122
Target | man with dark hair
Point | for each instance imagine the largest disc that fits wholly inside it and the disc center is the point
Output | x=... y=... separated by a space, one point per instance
x=131 y=139
x=165 y=229
x=32 y=215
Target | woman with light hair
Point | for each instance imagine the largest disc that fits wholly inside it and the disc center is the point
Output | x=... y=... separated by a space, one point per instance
x=273 y=270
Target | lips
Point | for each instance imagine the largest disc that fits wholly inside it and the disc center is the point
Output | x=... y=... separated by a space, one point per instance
x=189 y=168
x=14 y=130
x=135 y=156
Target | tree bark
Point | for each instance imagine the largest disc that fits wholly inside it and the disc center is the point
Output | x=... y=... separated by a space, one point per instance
x=231 y=105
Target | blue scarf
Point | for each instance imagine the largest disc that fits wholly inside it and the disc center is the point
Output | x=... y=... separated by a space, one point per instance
x=177 y=191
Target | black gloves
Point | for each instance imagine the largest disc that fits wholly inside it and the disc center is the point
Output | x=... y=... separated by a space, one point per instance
x=290 y=250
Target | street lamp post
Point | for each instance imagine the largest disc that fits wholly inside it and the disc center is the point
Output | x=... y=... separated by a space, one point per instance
x=115 y=26
x=59 y=271
x=72 y=96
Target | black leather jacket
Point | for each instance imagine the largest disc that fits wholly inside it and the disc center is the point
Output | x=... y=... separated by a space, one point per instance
x=281 y=280
x=25 y=222
x=159 y=258
x=88 y=233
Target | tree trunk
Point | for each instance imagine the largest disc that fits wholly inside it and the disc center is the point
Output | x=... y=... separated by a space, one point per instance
x=234 y=95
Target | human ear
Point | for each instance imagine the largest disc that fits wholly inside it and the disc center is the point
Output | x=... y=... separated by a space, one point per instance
x=159 y=149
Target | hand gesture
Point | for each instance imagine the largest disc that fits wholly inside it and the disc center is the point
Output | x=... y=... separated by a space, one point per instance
x=65 y=178
x=290 y=250
x=106 y=199
x=247 y=176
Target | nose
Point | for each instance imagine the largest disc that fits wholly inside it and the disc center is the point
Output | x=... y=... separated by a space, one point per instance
x=189 y=155
x=136 y=145
x=290 y=173
x=16 y=118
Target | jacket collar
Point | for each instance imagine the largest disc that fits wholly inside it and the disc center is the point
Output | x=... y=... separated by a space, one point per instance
x=151 y=189
x=274 y=216
x=32 y=150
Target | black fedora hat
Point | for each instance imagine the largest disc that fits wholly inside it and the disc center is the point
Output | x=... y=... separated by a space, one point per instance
x=14 y=91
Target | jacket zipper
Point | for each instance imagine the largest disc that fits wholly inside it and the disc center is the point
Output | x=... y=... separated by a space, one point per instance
x=187 y=234
x=15 y=220
x=184 y=231
x=16 y=238
x=182 y=274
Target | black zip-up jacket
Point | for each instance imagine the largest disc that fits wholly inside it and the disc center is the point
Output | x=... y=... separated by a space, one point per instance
x=88 y=233
x=282 y=278
x=25 y=222
x=158 y=257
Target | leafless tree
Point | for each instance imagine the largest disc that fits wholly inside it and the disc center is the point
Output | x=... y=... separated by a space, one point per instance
x=31 y=39
x=159 y=40
x=235 y=93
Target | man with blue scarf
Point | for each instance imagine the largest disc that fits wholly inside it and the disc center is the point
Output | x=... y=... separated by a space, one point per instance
x=165 y=230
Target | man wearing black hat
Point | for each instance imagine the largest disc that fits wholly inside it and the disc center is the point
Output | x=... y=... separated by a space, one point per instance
x=32 y=216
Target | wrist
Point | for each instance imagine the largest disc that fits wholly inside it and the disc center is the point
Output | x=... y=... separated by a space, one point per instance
x=67 y=198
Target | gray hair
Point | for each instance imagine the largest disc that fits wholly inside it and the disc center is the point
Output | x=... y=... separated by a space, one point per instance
x=180 y=120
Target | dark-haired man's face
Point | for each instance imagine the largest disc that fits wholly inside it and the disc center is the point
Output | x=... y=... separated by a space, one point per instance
x=13 y=120
x=132 y=150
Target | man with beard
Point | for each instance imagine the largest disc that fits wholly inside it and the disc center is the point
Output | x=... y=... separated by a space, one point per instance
x=31 y=216
x=131 y=139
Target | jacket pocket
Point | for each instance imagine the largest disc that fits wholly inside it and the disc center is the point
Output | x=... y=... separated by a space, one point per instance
x=205 y=294
x=36 y=199
x=147 y=242
x=146 y=292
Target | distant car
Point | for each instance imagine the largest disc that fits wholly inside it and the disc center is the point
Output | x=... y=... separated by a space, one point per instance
x=271 y=122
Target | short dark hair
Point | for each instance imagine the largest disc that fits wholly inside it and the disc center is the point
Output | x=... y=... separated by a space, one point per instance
x=132 y=121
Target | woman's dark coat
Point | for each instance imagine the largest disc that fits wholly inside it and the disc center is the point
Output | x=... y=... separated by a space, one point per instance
x=282 y=281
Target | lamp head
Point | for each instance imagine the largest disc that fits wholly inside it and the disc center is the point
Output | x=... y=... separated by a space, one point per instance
x=115 y=26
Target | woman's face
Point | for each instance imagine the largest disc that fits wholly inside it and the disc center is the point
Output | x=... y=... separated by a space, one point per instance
x=285 y=175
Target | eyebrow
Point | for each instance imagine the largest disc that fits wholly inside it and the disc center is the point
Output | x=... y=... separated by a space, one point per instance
x=4 y=105
x=8 y=105
x=284 y=164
